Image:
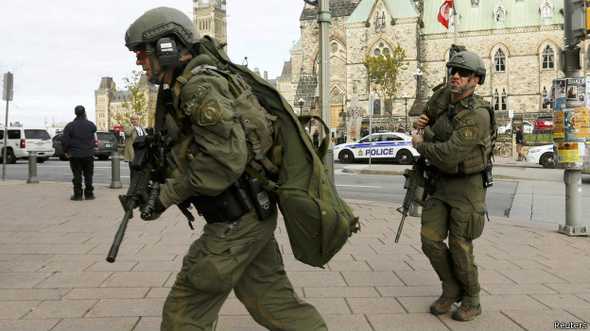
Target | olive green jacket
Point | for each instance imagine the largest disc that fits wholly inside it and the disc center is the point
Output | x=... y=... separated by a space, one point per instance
x=210 y=151
x=460 y=142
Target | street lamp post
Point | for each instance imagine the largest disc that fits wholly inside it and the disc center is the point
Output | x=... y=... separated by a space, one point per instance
x=406 y=106
x=324 y=21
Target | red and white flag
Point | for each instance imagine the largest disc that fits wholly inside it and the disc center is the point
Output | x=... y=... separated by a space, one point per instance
x=444 y=13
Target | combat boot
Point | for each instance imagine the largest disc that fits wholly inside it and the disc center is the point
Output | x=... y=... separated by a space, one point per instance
x=467 y=312
x=77 y=196
x=88 y=195
x=443 y=305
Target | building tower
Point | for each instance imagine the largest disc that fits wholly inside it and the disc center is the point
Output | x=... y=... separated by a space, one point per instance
x=210 y=19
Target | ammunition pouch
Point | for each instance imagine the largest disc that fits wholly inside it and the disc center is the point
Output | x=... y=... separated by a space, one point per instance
x=243 y=196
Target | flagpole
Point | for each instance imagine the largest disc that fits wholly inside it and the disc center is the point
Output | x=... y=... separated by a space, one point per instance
x=454 y=23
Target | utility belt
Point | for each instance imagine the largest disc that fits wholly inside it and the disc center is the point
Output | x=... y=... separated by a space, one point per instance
x=238 y=199
x=486 y=174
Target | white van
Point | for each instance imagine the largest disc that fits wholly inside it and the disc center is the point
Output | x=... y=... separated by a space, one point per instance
x=21 y=141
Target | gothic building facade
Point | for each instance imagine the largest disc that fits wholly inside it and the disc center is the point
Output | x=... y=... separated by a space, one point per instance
x=518 y=40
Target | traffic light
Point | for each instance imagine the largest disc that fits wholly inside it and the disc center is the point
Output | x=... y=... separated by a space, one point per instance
x=575 y=22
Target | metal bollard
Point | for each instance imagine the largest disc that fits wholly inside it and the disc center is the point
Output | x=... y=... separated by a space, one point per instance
x=32 y=169
x=115 y=170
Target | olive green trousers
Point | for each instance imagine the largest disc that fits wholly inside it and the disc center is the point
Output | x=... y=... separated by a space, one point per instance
x=244 y=257
x=456 y=210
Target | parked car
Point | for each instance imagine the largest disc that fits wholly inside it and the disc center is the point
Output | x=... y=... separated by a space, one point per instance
x=527 y=127
x=543 y=155
x=21 y=141
x=543 y=124
x=59 y=147
x=106 y=143
x=384 y=145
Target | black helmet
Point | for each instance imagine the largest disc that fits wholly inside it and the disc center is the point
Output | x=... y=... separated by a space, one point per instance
x=157 y=23
x=470 y=61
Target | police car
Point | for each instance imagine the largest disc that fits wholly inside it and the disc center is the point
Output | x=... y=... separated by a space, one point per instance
x=383 y=145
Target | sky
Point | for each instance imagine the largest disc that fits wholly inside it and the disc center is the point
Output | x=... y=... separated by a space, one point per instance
x=58 y=50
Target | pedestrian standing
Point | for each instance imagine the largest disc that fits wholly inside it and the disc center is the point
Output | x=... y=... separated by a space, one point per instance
x=457 y=143
x=79 y=142
x=134 y=131
x=519 y=143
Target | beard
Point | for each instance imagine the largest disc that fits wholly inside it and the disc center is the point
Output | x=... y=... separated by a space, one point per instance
x=461 y=90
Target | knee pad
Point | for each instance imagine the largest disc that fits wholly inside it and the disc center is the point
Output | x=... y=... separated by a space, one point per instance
x=433 y=248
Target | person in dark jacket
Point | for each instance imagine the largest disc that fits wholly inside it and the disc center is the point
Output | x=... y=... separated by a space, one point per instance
x=79 y=141
x=519 y=144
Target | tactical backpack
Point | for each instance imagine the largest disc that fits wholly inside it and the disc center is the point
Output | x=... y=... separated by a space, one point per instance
x=317 y=220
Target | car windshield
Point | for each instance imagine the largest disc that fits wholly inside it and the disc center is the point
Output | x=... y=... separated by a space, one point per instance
x=108 y=136
x=37 y=134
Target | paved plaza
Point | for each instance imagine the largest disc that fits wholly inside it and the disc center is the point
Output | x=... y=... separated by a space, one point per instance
x=53 y=274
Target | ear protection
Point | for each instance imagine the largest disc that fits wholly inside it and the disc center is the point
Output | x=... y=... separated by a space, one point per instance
x=167 y=53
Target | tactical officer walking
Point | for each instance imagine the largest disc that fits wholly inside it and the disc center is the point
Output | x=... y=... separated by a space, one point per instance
x=456 y=141
x=196 y=113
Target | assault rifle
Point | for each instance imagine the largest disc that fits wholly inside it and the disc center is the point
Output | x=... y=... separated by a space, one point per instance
x=414 y=184
x=149 y=165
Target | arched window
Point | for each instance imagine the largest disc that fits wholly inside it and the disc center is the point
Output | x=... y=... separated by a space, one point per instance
x=381 y=49
x=547 y=9
x=496 y=100
x=504 y=100
x=380 y=22
x=548 y=58
x=500 y=61
x=377 y=107
x=500 y=14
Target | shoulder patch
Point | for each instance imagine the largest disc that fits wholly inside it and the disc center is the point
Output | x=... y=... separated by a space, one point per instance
x=468 y=133
x=210 y=113
x=199 y=93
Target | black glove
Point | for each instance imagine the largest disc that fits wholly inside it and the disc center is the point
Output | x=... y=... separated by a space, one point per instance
x=153 y=207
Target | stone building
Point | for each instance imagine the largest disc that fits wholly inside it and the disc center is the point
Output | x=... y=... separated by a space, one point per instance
x=210 y=19
x=109 y=102
x=519 y=41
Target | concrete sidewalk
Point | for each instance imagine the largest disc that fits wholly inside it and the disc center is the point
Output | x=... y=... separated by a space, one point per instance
x=53 y=275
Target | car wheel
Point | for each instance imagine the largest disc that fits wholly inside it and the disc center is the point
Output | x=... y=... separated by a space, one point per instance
x=547 y=160
x=41 y=159
x=346 y=157
x=404 y=157
x=10 y=157
x=103 y=157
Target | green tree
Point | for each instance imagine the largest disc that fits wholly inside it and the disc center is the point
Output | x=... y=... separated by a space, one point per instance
x=137 y=101
x=384 y=70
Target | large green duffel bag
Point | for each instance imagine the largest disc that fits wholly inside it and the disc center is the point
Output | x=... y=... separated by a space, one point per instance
x=317 y=220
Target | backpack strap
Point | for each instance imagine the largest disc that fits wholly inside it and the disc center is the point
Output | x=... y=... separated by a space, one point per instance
x=322 y=149
x=236 y=88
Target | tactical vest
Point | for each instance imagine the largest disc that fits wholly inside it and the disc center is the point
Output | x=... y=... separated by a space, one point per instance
x=257 y=123
x=447 y=119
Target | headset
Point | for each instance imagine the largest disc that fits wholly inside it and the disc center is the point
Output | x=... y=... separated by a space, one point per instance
x=167 y=53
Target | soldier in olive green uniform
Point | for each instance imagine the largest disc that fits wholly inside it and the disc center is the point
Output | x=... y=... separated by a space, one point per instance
x=237 y=250
x=457 y=142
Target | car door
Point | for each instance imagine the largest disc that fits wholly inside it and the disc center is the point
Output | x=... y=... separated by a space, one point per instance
x=363 y=147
